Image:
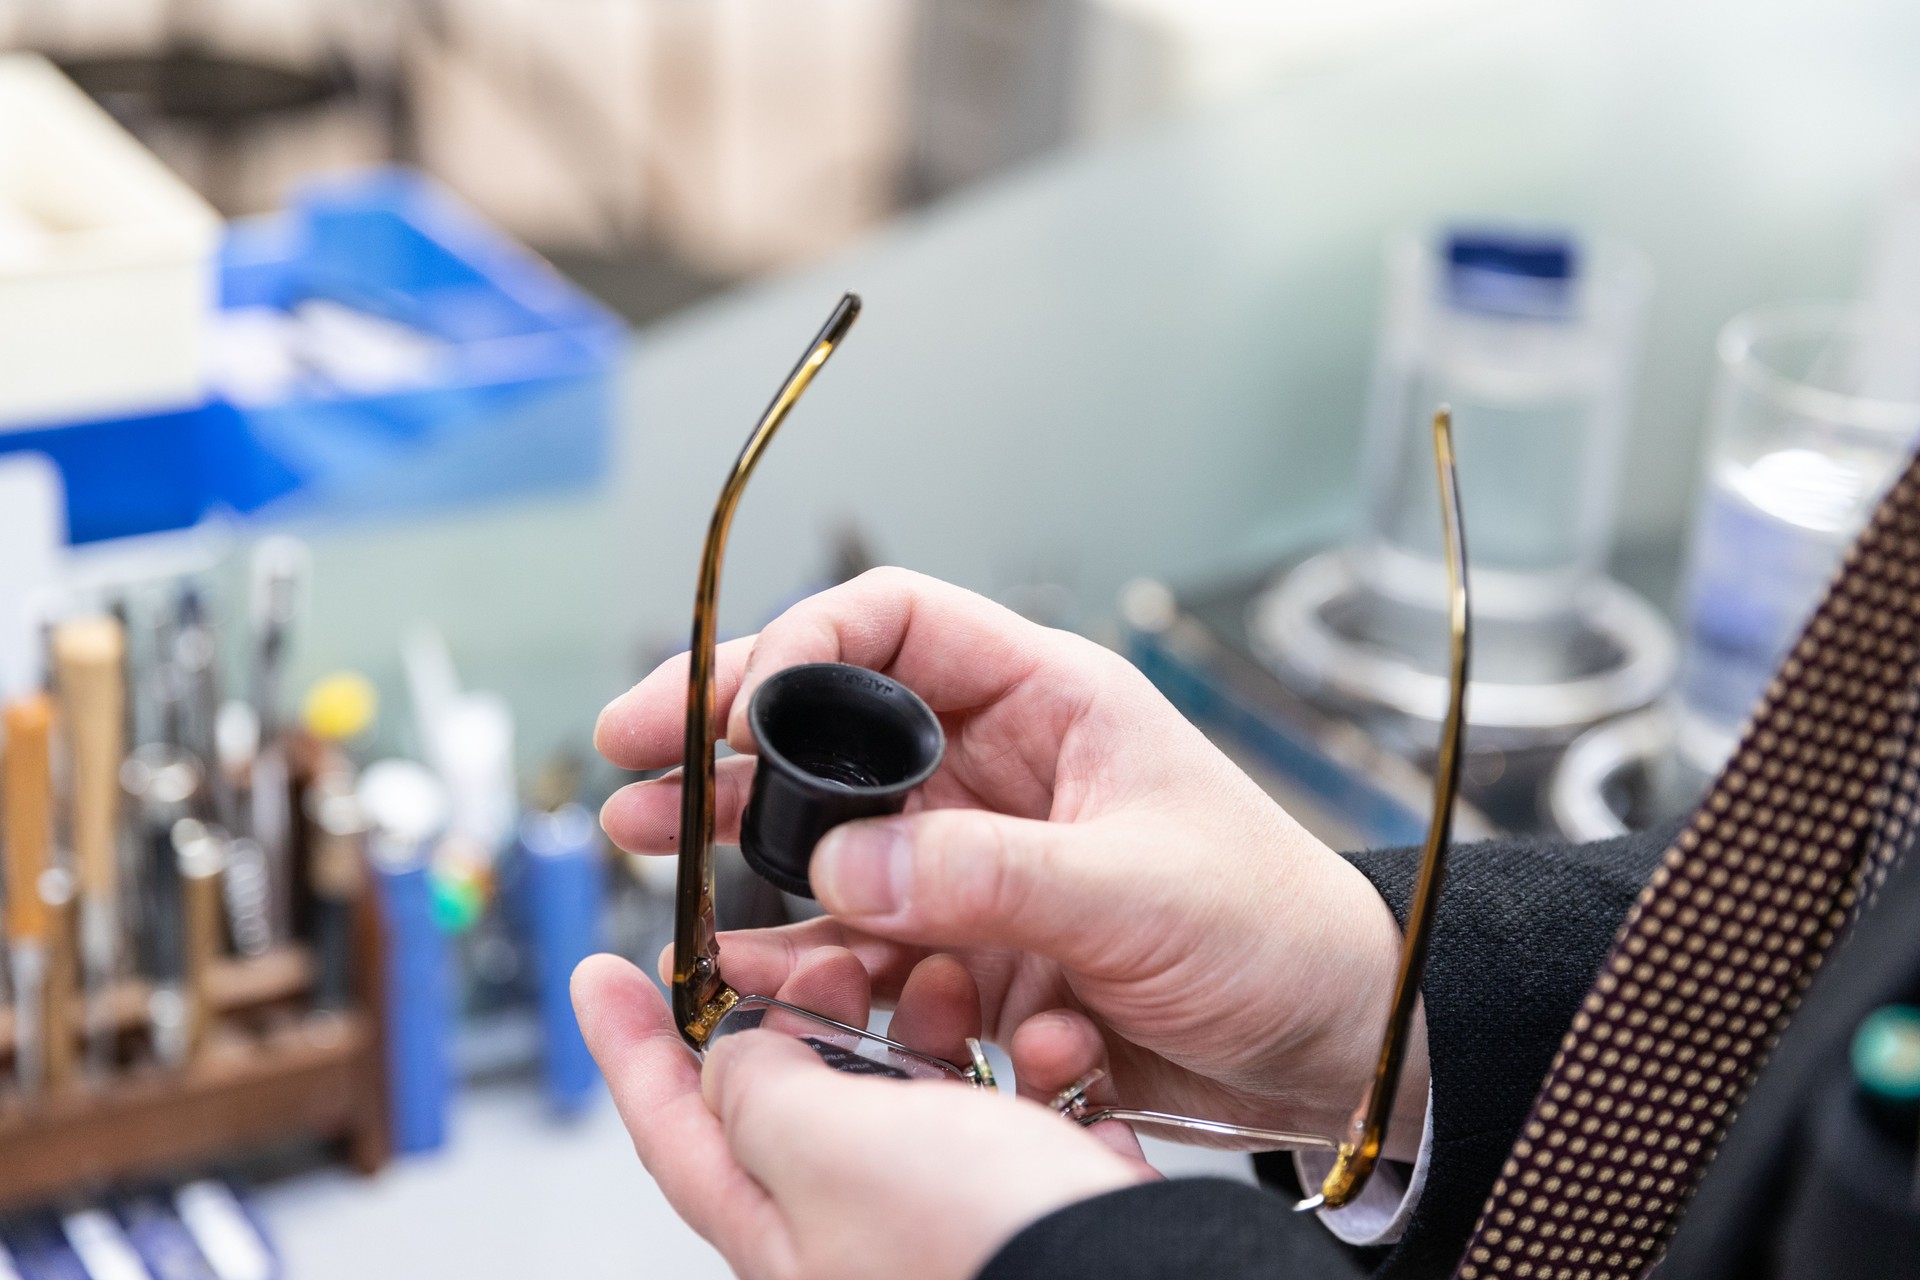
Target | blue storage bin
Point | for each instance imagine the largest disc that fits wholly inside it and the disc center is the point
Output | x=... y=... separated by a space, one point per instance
x=163 y=471
x=521 y=397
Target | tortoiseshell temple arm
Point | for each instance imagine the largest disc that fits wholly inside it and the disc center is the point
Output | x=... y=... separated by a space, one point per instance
x=1359 y=1151
x=700 y=998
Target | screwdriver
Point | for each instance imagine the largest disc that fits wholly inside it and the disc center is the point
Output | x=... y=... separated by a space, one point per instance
x=245 y=877
x=164 y=781
x=280 y=566
x=337 y=875
x=200 y=855
x=28 y=787
x=88 y=656
x=195 y=658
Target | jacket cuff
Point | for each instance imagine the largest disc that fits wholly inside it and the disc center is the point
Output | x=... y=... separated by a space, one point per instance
x=1379 y=1215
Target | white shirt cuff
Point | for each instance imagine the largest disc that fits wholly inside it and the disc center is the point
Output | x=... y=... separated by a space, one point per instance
x=1379 y=1214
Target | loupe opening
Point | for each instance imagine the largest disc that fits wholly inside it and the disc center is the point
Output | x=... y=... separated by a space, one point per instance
x=836 y=743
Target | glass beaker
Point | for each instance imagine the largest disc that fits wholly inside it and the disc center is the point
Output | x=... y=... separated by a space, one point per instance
x=1533 y=340
x=1815 y=408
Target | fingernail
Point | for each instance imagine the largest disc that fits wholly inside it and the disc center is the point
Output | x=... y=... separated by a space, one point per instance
x=864 y=869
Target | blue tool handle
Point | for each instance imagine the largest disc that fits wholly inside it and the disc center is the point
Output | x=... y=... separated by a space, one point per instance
x=163 y=1241
x=565 y=887
x=41 y=1252
x=229 y=1235
x=419 y=1014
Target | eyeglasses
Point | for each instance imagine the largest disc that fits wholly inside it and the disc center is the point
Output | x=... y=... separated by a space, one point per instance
x=705 y=1008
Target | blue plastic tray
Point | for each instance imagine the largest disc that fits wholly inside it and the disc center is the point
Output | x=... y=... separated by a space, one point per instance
x=522 y=401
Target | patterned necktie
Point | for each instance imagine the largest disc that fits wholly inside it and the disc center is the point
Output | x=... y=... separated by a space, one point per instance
x=1799 y=828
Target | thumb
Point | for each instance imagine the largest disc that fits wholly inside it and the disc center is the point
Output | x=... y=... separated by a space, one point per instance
x=774 y=1098
x=955 y=877
x=747 y=1065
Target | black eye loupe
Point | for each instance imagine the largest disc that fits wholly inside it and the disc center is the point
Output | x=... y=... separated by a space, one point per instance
x=836 y=743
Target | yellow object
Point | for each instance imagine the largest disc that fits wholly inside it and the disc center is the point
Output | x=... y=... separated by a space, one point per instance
x=340 y=707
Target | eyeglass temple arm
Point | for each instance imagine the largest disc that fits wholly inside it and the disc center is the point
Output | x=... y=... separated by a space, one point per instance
x=699 y=996
x=1266 y=1139
x=1359 y=1153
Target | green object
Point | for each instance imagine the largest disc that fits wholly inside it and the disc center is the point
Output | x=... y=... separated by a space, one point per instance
x=458 y=903
x=1886 y=1053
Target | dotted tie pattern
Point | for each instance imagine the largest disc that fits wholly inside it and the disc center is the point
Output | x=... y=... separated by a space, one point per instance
x=1801 y=825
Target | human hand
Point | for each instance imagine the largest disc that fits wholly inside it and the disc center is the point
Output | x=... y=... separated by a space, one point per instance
x=1121 y=893
x=795 y=1171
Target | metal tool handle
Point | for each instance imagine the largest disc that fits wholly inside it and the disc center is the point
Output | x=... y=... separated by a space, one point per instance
x=248 y=894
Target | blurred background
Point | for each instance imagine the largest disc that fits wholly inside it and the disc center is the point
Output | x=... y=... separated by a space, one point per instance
x=368 y=371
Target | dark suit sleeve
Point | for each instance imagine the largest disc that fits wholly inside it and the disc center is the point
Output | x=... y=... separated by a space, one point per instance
x=1186 y=1227
x=1522 y=928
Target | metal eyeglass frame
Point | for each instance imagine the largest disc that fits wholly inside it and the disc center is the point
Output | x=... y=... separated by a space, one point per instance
x=701 y=998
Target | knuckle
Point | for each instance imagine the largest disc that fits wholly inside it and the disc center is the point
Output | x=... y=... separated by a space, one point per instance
x=890 y=579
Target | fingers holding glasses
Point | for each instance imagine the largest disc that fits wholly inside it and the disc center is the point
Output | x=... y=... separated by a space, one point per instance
x=761 y=960
x=938 y=1009
x=937 y=1005
x=655 y=1084
x=957 y=1171
x=829 y=981
x=1055 y=1050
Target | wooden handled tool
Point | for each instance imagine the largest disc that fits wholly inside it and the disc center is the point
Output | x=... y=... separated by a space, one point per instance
x=28 y=786
x=89 y=656
x=202 y=857
x=62 y=1005
x=29 y=815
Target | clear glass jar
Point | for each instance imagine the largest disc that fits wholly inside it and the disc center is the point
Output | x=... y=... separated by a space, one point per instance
x=1816 y=407
x=1533 y=341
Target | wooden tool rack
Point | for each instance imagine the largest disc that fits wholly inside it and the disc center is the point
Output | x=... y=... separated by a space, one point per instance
x=272 y=1070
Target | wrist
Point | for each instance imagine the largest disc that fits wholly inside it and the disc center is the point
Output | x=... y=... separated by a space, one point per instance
x=1363 y=970
x=1386 y=942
